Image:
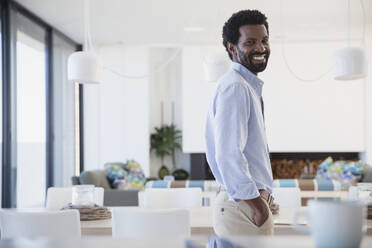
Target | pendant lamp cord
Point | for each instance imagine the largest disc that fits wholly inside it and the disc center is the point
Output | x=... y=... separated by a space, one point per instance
x=348 y=23
x=307 y=80
x=160 y=66
x=86 y=24
x=88 y=44
x=364 y=23
x=155 y=69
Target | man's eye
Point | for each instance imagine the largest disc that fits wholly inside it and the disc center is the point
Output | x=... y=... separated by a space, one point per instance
x=265 y=41
x=249 y=43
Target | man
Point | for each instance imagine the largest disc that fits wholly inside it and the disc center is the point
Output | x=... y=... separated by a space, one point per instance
x=237 y=150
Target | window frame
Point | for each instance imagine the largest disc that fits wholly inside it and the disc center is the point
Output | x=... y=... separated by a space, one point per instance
x=9 y=121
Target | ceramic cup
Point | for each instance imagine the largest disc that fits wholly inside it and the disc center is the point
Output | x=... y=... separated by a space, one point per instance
x=333 y=223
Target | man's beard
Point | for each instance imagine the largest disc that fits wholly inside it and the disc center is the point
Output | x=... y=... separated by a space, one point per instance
x=247 y=60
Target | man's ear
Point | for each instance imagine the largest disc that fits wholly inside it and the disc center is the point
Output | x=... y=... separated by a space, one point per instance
x=232 y=49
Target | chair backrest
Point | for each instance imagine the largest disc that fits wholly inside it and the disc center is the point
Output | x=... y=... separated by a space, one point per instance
x=287 y=197
x=353 y=194
x=147 y=222
x=32 y=224
x=172 y=198
x=59 y=197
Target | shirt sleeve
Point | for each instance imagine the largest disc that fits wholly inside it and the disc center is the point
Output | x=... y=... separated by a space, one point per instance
x=231 y=110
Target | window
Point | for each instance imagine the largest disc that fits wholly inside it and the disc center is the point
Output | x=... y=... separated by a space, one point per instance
x=39 y=145
x=63 y=113
x=1 y=118
x=31 y=112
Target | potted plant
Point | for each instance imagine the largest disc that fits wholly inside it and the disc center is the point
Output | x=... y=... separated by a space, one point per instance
x=165 y=142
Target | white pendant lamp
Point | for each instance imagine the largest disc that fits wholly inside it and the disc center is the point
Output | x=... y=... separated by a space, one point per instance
x=350 y=63
x=84 y=67
x=215 y=65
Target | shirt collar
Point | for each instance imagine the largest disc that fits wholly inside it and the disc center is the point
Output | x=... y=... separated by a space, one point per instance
x=251 y=79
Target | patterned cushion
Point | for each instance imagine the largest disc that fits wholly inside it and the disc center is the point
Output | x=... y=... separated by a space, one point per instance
x=348 y=173
x=127 y=175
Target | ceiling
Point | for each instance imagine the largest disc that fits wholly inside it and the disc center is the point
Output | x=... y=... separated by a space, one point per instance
x=163 y=21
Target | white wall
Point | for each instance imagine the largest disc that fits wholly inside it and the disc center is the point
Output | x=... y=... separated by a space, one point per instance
x=327 y=115
x=116 y=118
x=120 y=113
x=196 y=96
x=166 y=87
x=368 y=100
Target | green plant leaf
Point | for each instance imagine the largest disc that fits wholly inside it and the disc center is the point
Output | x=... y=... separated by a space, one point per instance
x=165 y=140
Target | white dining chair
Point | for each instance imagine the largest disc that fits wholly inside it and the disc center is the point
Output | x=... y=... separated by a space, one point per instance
x=171 y=198
x=287 y=197
x=147 y=222
x=36 y=223
x=59 y=197
x=353 y=194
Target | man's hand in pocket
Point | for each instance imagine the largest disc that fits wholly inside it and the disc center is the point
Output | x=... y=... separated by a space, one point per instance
x=260 y=210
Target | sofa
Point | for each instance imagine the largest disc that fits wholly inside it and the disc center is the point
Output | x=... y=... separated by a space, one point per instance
x=112 y=197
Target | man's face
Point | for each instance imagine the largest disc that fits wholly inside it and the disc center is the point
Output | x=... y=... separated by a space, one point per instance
x=253 y=49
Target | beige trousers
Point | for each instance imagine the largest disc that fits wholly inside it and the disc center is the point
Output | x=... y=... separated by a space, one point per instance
x=235 y=218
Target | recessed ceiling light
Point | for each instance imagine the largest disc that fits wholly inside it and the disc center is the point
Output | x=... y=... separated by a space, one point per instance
x=193 y=29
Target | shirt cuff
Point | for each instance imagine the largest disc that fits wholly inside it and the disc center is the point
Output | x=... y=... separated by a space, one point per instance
x=246 y=191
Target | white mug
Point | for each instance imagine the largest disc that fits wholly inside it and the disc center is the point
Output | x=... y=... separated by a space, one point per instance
x=333 y=223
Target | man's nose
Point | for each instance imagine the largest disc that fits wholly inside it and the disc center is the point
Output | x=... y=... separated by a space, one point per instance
x=260 y=47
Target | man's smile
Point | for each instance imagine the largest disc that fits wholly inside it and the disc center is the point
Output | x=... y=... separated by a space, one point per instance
x=259 y=58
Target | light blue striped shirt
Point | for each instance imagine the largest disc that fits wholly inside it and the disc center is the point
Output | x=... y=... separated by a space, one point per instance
x=236 y=145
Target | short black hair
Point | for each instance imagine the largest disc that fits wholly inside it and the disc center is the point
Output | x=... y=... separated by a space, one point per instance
x=230 y=30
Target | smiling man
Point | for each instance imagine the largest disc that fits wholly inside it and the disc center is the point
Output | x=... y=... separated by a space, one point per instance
x=237 y=150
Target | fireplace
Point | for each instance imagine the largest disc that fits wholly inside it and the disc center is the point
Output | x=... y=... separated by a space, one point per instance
x=284 y=165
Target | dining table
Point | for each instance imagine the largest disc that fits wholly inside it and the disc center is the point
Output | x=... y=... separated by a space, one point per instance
x=201 y=222
x=282 y=241
x=98 y=233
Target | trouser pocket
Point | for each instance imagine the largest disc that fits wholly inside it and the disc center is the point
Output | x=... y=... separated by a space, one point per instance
x=248 y=213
